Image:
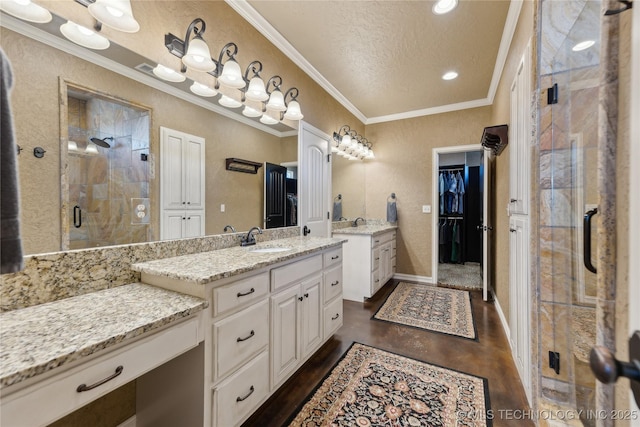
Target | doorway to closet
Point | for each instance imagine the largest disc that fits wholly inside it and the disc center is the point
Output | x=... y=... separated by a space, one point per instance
x=459 y=222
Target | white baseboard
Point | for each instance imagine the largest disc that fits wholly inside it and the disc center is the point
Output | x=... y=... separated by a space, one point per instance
x=131 y=422
x=413 y=278
x=503 y=320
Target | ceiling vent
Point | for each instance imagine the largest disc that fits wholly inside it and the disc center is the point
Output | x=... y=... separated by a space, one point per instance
x=495 y=138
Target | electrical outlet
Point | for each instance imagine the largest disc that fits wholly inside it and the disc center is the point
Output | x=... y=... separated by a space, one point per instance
x=554 y=361
x=222 y=208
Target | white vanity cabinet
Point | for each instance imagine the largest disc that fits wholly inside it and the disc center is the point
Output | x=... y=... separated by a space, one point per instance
x=369 y=262
x=263 y=325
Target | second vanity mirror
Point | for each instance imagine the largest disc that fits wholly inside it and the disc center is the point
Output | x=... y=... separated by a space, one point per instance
x=116 y=150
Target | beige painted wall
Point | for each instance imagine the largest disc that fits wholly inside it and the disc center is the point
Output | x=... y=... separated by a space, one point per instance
x=403 y=166
x=36 y=114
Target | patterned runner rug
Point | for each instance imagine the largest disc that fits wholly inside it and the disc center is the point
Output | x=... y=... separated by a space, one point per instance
x=428 y=307
x=372 y=387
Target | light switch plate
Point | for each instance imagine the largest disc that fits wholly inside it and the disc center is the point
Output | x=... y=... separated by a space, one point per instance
x=222 y=207
x=426 y=208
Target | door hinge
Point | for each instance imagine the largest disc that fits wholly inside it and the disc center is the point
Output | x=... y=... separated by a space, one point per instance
x=552 y=94
x=328 y=217
x=328 y=158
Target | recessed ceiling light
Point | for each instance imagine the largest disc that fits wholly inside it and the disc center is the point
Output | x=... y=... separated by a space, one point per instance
x=583 y=45
x=444 y=6
x=450 y=75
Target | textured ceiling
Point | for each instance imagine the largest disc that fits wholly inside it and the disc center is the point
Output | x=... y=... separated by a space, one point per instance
x=388 y=57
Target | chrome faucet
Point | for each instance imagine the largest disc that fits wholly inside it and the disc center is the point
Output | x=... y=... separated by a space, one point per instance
x=229 y=227
x=250 y=239
x=355 y=222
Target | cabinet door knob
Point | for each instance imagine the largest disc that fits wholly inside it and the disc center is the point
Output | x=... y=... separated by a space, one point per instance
x=306 y=295
x=300 y=298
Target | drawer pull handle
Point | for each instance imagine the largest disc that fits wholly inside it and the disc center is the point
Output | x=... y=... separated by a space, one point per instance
x=335 y=257
x=252 y=333
x=245 y=397
x=335 y=283
x=244 y=294
x=84 y=387
x=377 y=241
x=377 y=258
x=377 y=280
x=336 y=316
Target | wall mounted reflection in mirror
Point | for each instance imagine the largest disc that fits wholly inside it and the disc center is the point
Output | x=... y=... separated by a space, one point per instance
x=41 y=120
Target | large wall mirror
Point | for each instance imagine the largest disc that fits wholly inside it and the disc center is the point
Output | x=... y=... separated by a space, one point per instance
x=348 y=187
x=51 y=85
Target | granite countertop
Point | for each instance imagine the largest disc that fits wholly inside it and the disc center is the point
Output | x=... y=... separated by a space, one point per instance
x=205 y=267
x=37 y=339
x=370 y=229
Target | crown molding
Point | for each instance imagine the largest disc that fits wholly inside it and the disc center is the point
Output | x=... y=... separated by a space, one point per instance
x=245 y=10
x=259 y=23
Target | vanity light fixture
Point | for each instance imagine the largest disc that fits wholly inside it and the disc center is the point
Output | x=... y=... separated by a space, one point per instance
x=256 y=90
x=26 y=10
x=348 y=144
x=276 y=98
x=584 y=45
x=444 y=6
x=84 y=36
x=195 y=54
x=116 y=14
x=168 y=74
x=267 y=119
x=293 y=107
x=227 y=101
x=203 y=90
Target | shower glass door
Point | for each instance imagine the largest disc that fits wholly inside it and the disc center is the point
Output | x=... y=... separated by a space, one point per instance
x=568 y=179
x=107 y=202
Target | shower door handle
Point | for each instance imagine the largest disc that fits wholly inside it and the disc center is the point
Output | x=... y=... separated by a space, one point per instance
x=586 y=255
x=77 y=216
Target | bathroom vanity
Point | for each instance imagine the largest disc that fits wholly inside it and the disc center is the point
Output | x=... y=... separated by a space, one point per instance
x=369 y=258
x=208 y=338
x=59 y=356
x=271 y=306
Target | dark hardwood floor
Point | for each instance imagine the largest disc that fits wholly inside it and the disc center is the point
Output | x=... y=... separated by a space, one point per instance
x=489 y=357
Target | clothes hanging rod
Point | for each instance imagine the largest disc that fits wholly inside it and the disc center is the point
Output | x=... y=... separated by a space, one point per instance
x=450 y=169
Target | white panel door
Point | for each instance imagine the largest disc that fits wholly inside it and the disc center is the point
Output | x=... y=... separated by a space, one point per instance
x=194 y=172
x=285 y=344
x=172 y=172
x=314 y=181
x=311 y=314
x=172 y=224
x=194 y=224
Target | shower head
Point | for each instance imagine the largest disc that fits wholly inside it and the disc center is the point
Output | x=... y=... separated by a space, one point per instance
x=102 y=142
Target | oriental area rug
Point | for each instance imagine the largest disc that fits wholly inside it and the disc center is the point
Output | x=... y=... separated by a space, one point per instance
x=428 y=307
x=373 y=387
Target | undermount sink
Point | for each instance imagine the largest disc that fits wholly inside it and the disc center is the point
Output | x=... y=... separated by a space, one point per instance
x=269 y=250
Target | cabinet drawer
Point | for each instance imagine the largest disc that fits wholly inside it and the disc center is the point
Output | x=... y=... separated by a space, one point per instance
x=50 y=399
x=332 y=257
x=332 y=317
x=375 y=258
x=332 y=283
x=240 y=336
x=237 y=294
x=290 y=273
x=236 y=397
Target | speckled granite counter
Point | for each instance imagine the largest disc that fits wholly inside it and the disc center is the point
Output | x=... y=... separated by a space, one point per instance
x=205 y=267
x=37 y=339
x=370 y=229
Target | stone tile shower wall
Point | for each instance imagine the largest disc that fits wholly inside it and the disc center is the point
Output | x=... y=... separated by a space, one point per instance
x=109 y=186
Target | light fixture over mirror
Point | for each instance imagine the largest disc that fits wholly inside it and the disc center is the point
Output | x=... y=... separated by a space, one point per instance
x=349 y=144
x=195 y=55
x=116 y=14
x=83 y=36
x=26 y=10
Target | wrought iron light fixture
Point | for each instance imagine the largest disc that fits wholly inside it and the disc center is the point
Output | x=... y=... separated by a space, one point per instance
x=348 y=144
x=257 y=97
